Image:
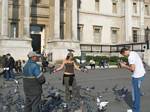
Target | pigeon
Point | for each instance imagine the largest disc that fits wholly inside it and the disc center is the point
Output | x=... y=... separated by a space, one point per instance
x=93 y=87
x=65 y=105
x=15 y=90
x=101 y=104
x=16 y=81
x=87 y=88
x=70 y=50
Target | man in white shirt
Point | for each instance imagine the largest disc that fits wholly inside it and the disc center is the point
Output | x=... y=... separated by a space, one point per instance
x=138 y=71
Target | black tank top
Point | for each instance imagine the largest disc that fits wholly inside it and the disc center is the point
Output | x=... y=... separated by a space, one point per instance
x=69 y=68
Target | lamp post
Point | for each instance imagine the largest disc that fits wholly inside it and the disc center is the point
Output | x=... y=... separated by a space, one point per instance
x=147 y=37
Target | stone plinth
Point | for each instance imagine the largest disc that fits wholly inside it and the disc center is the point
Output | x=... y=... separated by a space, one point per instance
x=59 y=49
x=18 y=48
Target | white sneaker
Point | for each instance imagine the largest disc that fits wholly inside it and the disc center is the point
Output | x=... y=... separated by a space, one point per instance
x=129 y=110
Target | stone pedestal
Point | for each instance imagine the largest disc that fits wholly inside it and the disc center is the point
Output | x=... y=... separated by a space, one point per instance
x=147 y=57
x=59 y=49
x=18 y=48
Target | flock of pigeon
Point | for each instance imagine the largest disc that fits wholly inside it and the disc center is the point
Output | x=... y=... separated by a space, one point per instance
x=12 y=100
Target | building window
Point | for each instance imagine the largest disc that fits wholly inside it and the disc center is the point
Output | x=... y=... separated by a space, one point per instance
x=114 y=7
x=114 y=33
x=134 y=8
x=62 y=18
x=146 y=10
x=62 y=30
x=62 y=3
x=97 y=5
x=79 y=4
x=14 y=30
x=36 y=2
x=135 y=35
x=97 y=34
x=80 y=32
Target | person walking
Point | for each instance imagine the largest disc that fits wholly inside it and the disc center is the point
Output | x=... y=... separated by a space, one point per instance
x=69 y=80
x=10 y=65
x=138 y=72
x=23 y=64
x=101 y=63
x=32 y=83
x=18 y=68
x=45 y=64
x=92 y=64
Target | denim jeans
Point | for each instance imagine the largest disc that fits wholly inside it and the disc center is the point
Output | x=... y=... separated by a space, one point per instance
x=136 y=93
x=9 y=74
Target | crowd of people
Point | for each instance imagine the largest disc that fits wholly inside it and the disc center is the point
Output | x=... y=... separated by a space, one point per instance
x=8 y=65
x=12 y=67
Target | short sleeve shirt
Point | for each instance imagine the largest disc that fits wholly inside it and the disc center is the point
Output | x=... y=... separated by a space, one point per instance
x=135 y=59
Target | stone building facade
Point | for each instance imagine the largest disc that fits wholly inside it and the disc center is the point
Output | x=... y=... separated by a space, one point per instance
x=54 y=26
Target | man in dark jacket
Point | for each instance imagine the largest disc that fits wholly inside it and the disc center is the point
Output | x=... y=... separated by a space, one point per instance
x=9 y=66
x=32 y=83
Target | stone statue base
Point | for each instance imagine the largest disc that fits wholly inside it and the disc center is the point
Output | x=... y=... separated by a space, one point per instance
x=18 y=48
x=59 y=49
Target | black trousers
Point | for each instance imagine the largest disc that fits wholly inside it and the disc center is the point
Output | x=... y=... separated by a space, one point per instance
x=32 y=103
x=70 y=86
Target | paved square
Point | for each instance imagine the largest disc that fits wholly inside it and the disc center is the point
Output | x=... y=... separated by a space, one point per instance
x=104 y=80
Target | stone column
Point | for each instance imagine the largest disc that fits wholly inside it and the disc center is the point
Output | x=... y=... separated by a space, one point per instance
x=68 y=20
x=128 y=21
x=4 y=21
x=142 y=32
x=26 y=29
x=57 y=20
x=74 y=20
x=21 y=22
x=51 y=20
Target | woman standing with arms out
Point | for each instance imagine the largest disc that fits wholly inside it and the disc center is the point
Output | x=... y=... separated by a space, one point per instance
x=69 y=80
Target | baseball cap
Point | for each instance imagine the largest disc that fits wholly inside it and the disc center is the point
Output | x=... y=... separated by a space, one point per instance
x=32 y=53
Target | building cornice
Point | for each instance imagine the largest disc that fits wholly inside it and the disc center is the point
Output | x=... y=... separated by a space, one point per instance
x=100 y=14
x=60 y=40
x=107 y=15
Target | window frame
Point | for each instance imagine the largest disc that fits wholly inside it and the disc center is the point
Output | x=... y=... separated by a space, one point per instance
x=114 y=7
x=146 y=12
x=114 y=41
x=80 y=34
x=97 y=36
x=97 y=5
x=135 y=10
x=12 y=26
